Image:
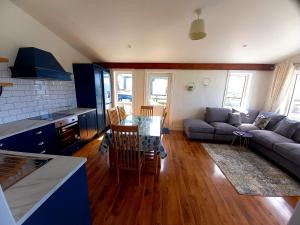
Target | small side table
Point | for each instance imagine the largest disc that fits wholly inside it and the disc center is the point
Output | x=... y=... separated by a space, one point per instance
x=244 y=137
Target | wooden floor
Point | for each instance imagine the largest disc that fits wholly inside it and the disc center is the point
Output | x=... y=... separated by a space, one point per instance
x=190 y=189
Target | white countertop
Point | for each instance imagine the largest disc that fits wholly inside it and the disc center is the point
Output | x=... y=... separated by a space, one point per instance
x=28 y=194
x=16 y=127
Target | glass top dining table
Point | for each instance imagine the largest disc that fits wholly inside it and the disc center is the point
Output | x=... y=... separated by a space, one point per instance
x=148 y=125
x=149 y=131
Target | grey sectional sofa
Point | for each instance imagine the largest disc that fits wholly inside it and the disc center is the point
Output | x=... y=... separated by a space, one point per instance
x=216 y=126
x=279 y=141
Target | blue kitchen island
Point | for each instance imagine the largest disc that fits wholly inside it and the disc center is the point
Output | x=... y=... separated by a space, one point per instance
x=54 y=194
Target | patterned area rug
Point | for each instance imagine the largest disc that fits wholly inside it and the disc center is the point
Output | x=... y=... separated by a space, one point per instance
x=250 y=173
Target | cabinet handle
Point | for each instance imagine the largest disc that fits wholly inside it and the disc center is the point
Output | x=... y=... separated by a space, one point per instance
x=39 y=132
x=43 y=152
x=41 y=143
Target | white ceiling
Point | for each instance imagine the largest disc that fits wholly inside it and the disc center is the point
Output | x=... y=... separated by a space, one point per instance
x=157 y=30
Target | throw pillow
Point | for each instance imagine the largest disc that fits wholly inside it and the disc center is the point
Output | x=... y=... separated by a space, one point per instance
x=296 y=136
x=261 y=122
x=287 y=127
x=234 y=119
x=247 y=116
x=275 y=118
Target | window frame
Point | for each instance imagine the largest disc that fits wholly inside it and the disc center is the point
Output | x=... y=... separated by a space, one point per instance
x=245 y=88
x=297 y=79
x=115 y=87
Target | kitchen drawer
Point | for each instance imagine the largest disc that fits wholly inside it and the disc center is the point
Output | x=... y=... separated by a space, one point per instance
x=40 y=140
x=41 y=132
x=10 y=143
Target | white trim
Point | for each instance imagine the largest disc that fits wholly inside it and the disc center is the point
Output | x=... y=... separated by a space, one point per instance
x=245 y=93
x=296 y=79
x=170 y=75
x=115 y=73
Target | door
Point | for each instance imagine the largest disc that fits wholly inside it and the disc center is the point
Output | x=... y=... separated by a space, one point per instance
x=123 y=90
x=91 y=124
x=107 y=89
x=99 y=100
x=158 y=92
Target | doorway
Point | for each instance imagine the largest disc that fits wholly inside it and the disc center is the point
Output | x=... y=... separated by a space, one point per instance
x=158 y=92
x=123 y=90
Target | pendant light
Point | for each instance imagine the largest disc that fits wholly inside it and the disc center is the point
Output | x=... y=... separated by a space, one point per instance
x=197 y=29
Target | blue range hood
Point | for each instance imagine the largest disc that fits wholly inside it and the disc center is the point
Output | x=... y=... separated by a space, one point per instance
x=34 y=63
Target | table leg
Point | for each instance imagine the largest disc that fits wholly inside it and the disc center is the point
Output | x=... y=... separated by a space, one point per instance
x=246 y=143
x=240 y=142
x=233 y=139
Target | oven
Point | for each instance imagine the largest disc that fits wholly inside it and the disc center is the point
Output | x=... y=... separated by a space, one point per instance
x=68 y=132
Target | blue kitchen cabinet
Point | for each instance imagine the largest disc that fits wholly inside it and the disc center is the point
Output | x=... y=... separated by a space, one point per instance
x=87 y=126
x=90 y=90
x=39 y=140
x=9 y=143
x=69 y=205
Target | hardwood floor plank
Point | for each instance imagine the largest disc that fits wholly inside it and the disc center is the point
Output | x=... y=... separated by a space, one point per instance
x=190 y=189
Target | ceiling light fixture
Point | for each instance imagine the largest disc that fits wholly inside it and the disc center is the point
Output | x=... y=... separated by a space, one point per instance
x=197 y=29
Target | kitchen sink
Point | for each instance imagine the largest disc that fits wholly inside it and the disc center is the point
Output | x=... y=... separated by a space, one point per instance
x=15 y=167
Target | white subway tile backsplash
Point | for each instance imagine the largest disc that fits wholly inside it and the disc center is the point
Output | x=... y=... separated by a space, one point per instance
x=29 y=98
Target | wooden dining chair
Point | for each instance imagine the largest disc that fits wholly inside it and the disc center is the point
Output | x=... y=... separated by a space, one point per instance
x=126 y=144
x=113 y=116
x=152 y=158
x=162 y=124
x=146 y=110
x=164 y=111
x=122 y=112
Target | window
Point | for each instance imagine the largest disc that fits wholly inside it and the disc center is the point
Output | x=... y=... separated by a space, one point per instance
x=124 y=90
x=294 y=110
x=159 y=91
x=235 y=89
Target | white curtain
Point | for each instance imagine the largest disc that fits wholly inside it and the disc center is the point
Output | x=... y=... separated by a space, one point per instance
x=282 y=88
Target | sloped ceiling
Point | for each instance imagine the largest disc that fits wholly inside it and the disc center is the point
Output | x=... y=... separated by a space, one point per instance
x=157 y=30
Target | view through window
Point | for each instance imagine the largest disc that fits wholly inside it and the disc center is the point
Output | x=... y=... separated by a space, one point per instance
x=235 y=89
x=159 y=91
x=124 y=91
x=294 y=111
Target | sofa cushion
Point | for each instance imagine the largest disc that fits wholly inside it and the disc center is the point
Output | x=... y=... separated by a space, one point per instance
x=216 y=114
x=234 y=119
x=286 y=127
x=223 y=128
x=197 y=125
x=247 y=127
x=275 y=118
x=261 y=122
x=290 y=151
x=247 y=116
x=267 y=138
x=296 y=136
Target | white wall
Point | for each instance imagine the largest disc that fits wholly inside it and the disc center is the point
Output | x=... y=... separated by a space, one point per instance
x=32 y=97
x=19 y=29
x=191 y=104
x=295 y=58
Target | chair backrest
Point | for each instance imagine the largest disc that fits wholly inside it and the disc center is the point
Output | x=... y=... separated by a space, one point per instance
x=164 y=111
x=164 y=119
x=122 y=112
x=113 y=116
x=162 y=124
x=126 y=144
x=146 y=110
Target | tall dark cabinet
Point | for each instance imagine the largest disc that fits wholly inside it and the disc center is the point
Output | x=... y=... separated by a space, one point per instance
x=89 y=84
